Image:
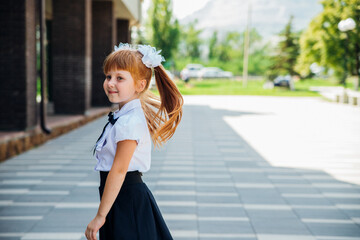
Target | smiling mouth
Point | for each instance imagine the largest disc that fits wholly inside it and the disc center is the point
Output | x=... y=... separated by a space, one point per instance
x=110 y=92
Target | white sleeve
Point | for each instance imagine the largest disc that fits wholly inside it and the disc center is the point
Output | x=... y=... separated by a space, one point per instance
x=133 y=129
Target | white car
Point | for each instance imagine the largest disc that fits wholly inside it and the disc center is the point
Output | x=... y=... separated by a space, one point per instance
x=191 y=71
x=214 y=72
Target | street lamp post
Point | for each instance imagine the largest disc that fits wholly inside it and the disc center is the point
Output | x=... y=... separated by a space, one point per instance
x=246 y=48
x=346 y=26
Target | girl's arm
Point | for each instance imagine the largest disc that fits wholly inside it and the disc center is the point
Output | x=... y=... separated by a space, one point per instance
x=124 y=151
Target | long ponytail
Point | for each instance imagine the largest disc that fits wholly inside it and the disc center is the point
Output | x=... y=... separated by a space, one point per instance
x=163 y=123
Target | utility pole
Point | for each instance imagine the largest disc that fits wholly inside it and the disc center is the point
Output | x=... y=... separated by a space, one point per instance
x=246 y=47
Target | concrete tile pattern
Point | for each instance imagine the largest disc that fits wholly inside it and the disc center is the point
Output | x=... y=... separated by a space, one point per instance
x=209 y=182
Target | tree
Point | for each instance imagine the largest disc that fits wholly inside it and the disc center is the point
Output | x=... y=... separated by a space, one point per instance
x=139 y=36
x=230 y=47
x=284 y=59
x=164 y=30
x=225 y=53
x=323 y=43
x=228 y=52
x=192 y=40
x=212 y=45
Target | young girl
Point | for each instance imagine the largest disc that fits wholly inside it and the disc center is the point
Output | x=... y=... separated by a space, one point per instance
x=127 y=207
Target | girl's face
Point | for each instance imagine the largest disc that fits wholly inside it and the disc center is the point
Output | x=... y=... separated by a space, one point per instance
x=119 y=86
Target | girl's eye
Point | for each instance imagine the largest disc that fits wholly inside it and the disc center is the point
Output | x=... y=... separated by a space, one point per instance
x=109 y=77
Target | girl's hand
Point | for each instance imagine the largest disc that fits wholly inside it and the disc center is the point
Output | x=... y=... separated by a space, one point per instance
x=94 y=227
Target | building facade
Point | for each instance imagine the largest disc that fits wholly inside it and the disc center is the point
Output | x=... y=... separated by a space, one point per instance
x=80 y=33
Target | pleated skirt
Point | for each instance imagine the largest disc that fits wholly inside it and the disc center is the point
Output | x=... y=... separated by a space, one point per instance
x=135 y=214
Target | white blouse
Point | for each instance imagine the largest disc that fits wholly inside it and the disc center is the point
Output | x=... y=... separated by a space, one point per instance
x=132 y=125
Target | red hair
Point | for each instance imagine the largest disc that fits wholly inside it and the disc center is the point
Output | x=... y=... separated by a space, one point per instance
x=163 y=114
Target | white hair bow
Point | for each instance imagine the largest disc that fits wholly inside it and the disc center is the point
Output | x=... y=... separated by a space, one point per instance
x=151 y=58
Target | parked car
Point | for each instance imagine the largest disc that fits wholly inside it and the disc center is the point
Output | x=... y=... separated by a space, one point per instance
x=282 y=81
x=214 y=72
x=190 y=71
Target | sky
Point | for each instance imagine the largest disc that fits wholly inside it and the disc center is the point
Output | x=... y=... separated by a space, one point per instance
x=181 y=8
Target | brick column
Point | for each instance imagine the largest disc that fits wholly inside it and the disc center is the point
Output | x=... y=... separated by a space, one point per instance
x=71 y=50
x=123 y=31
x=17 y=65
x=103 y=37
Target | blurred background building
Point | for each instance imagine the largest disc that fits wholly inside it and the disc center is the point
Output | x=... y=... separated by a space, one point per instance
x=79 y=35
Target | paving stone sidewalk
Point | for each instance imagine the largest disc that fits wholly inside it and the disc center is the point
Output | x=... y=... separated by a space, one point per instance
x=208 y=181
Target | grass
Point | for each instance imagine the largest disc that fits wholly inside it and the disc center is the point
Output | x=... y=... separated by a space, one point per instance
x=232 y=87
x=254 y=87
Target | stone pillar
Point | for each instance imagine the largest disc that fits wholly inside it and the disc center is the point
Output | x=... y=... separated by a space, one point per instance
x=17 y=65
x=71 y=50
x=103 y=37
x=123 y=31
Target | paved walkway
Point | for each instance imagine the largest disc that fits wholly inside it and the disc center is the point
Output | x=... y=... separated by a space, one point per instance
x=216 y=179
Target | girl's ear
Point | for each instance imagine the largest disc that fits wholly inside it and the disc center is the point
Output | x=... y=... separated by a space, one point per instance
x=141 y=85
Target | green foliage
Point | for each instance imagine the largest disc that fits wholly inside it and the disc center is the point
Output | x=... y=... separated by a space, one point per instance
x=259 y=61
x=286 y=53
x=230 y=47
x=228 y=53
x=164 y=30
x=192 y=41
x=324 y=44
x=140 y=38
x=232 y=87
x=212 y=45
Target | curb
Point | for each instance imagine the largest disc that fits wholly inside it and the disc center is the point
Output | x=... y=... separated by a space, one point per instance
x=14 y=143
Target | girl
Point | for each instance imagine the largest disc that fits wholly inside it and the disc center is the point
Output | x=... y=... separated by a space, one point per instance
x=127 y=207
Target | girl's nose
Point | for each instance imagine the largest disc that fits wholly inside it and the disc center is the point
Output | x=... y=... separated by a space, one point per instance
x=111 y=82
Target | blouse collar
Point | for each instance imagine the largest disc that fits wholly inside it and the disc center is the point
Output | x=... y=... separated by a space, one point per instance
x=127 y=107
